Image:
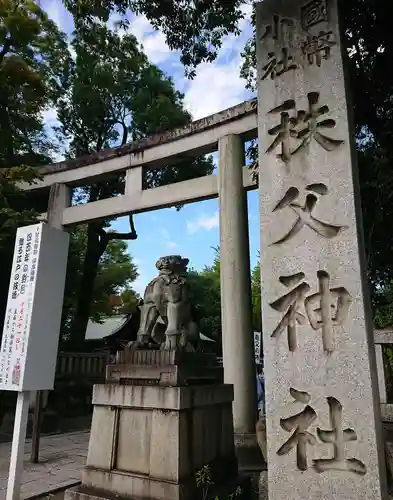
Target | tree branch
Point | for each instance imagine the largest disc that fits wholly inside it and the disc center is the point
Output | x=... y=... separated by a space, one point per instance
x=5 y=49
x=132 y=235
x=106 y=237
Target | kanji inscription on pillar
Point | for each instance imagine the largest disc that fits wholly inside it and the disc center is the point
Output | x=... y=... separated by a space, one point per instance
x=324 y=439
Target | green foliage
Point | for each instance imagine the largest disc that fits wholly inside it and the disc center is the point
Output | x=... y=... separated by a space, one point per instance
x=115 y=95
x=34 y=62
x=115 y=274
x=204 y=482
x=195 y=29
x=206 y=298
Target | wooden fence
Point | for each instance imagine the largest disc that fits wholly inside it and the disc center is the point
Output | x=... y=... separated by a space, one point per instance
x=89 y=365
x=381 y=339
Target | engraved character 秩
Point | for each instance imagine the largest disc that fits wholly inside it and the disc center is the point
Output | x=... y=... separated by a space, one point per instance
x=303 y=126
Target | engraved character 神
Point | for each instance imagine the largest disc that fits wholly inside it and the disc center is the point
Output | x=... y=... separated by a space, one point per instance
x=325 y=309
x=338 y=436
x=304 y=213
x=290 y=304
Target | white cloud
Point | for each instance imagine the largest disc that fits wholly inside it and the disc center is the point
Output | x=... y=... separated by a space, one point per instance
x=218 y=85
x=153 y=41
x=206 y=222
x=50 y=116
x=172 y=244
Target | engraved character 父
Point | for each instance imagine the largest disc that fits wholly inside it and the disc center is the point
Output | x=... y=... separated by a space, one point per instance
x=304 y=213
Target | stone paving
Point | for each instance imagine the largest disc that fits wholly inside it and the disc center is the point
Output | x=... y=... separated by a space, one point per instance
x=61 y=459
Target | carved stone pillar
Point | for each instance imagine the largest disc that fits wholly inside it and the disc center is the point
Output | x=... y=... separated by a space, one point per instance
x=236 y=309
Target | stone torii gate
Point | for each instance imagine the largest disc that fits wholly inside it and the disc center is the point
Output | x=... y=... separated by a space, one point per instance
x=226 y=132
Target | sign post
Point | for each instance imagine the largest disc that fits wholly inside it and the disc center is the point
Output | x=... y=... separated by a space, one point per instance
x=257 y=347
x=31 y=329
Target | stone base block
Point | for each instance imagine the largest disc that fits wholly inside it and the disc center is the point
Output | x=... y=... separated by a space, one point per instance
x=165 y=368
x=141 y=488
x=150 y=441
x=248 y=453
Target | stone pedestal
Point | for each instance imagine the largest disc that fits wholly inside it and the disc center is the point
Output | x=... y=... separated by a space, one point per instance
x=157 y=421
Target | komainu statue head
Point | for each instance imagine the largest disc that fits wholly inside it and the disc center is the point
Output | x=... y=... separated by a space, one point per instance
x=172 y=264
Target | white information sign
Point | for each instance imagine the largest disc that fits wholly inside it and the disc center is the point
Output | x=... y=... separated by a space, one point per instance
x=257 y=346
x=32 y=321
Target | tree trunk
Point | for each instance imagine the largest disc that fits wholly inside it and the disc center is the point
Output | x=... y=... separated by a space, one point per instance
x=86 y=288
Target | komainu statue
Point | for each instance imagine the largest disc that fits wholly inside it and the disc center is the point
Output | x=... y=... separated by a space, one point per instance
x=167 y=297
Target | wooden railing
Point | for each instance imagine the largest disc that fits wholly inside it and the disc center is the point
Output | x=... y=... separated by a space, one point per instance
x=381 y=338
x=90 y=365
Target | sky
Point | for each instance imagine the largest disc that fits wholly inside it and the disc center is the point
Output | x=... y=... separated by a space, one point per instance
x=192 y=232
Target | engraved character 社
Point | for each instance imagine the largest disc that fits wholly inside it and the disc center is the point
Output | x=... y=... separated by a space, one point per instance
x=301 y=436
x=325 y=309
x=303 y=127
x=304 y=213
x=298 y=425
x=337 y=436
x=278 y=37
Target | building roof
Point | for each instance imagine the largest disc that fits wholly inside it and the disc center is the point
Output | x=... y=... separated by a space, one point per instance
x=112 y=324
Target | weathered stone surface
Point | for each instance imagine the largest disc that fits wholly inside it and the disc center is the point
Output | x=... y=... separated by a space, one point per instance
x=165 y=398
x=150 y=441
x=164 y=368
x=322 y=404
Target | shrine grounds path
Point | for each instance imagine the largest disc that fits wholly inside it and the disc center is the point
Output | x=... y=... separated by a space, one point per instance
x=62 y=457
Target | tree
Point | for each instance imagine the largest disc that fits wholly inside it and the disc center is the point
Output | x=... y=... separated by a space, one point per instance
x=194 y=28
x=256 y=297
x=115 y=274
x=33 y=67
x=115 y=95
x=206 y=300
